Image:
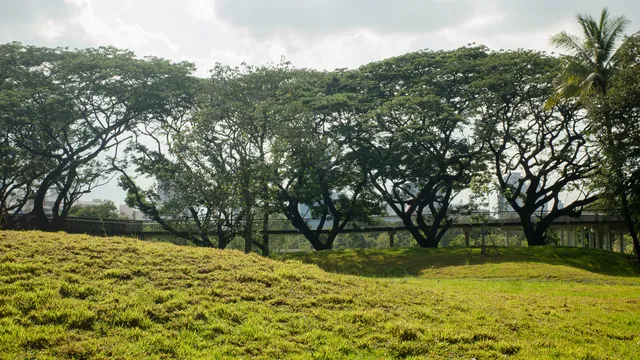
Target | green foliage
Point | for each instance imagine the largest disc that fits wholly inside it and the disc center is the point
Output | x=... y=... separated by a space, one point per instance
x=86 y=297
x=233 y=134
x=615 y=120
x=548 y=146
x=590 y=61
x=411 y=133
x=319 y=169
x=66 y=107
x=105 y=210
x=594 y=62
x=251 y=144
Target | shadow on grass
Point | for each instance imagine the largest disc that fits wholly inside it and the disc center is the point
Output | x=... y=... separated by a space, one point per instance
x=410 y=261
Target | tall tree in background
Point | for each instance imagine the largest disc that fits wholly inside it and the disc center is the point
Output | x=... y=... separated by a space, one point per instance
x=20 y=171
x=413 y=134
x=616 y=119
x=69 y=107
x=318 y=176
x=593 y=61
x=590 y=63
x=234 y=133
x=188 y=200
x=548 y=145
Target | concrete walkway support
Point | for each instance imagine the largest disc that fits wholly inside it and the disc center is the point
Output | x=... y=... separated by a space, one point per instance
x=572 y=237
x=611 y=237
x=621 y=236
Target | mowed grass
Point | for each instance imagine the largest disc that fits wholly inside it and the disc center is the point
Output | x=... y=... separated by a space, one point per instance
x=72 y=296
x=546 y=262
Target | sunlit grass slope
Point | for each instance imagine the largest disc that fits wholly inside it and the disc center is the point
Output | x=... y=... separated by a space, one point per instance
x=68 y=296
x=561 y=263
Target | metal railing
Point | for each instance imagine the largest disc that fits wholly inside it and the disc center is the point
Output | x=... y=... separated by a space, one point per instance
x=283 y=226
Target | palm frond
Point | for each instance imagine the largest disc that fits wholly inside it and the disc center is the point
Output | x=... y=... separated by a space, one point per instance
x=593 y=54
x=612 y=33
x=592 y=37
x=587 y=85
x=572 y=44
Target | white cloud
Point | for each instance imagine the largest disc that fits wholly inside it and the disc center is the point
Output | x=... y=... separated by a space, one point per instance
x=323 y=34
x=51 y=30
x=201 y=10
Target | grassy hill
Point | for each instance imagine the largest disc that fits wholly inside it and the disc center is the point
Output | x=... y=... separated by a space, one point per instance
x=561 y=263
x=70 y=296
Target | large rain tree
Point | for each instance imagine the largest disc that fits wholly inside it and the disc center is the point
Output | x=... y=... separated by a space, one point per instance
x=413 y=134
x=19 y=170
x=71 y=107
x=321 y=186
x=234 y=133
x=547 y=145
x=187 y=199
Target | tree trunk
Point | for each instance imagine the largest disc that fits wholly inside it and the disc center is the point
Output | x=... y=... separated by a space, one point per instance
x=222 y=239
x=248 y=236
x=40 y=221
x=291 y=212
x=415 y=233
x=530 y=232
x=265 y=234
x=631 y=225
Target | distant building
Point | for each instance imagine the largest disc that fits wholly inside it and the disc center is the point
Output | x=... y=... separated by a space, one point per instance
x=166 y=194
x=131 y=213
x=504 y=207
x=90 y=202
x=49 y=202
x=512 y=180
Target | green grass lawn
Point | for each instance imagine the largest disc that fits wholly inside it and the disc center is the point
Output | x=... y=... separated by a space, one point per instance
x=72 y=296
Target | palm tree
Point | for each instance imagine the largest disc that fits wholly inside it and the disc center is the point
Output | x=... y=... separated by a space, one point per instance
x=591 y=60
x=590 y=66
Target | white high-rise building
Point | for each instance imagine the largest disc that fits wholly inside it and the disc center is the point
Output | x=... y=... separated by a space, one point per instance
x=130 y=213
x=505 y=207
x=511 y=179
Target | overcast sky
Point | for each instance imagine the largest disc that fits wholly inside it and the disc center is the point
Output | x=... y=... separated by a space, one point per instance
x=323 y=34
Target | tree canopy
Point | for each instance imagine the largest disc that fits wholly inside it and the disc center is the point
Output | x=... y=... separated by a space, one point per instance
x=225 y=156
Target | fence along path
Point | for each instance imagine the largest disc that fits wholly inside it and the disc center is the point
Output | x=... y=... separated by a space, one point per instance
x=591 y=229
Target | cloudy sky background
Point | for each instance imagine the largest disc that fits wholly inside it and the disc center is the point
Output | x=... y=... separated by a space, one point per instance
x=322 y=34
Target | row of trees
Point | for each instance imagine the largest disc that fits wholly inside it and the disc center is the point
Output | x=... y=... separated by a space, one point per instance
x=252 y=144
